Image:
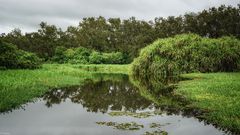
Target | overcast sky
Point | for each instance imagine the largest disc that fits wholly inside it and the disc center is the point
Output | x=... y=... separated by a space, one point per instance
x=27 y=14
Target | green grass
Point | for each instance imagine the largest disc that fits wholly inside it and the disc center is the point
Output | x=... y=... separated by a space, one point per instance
x=217 y=92
x=20 y=86
x=103 y=68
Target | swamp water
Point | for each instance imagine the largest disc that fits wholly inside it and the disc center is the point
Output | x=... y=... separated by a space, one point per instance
x=108 y=105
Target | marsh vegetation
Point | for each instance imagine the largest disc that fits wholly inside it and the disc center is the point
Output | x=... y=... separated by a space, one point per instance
x=129 y=76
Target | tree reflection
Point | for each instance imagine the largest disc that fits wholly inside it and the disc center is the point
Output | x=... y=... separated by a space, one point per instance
x=101 y=95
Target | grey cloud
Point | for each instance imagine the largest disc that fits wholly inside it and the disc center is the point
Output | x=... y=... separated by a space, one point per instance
x=27 y=14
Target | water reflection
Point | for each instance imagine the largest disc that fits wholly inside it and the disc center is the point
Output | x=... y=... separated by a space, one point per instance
x=161 y=92
x=101 y=95
x=106 y=93
x=106 y=104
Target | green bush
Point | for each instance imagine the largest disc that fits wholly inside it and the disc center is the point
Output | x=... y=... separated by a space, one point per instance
x=73 y=55
x=187 y=53
x=28 y=60
x=113 y=58
x=96 y=58
x=82 y=55
x=59 y=55
x=13 y=58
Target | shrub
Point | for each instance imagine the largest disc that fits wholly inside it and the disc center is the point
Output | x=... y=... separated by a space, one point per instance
x=11 y=57
x=59 y=55
x=73 y=55
x=96 y=58
x=187 y=53
x=28 y=60
x=82 y=55
x=113 y=58
x=8 y=55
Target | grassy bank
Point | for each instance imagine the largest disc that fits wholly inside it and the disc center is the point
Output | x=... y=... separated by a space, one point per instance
x=103 y=68
x=217 y=92
x=20 y=86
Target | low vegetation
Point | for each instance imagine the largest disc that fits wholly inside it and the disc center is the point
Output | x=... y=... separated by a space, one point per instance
x=219 y=93
x=104 y=68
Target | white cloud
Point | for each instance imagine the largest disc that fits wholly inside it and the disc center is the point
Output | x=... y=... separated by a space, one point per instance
x=27 y=14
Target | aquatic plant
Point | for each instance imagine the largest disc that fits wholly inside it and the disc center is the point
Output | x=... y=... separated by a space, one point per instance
x=132 y=114
x=157 y=125
x=122 y=126
x=157 y=132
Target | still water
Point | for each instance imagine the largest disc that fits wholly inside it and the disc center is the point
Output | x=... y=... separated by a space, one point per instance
x=107 y=105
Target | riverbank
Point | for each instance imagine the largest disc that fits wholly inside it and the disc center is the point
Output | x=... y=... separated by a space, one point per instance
x=20 y=86
x=219 y=93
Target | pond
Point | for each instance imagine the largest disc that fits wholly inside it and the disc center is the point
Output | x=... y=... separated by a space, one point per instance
x=108 y=104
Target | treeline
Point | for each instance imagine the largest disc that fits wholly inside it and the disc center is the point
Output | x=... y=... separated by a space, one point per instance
x=126 y=36
x=12 y=58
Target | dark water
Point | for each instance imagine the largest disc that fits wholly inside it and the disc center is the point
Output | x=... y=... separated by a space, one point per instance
x=75 y=111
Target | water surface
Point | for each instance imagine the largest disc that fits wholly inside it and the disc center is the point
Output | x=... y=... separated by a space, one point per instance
x=75 y=111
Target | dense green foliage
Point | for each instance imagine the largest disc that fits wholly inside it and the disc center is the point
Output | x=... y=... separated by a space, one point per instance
x=83 y=55
x=13 y=58
x=127 y=36
x=187 y=53
x=107 y=58
x=219 y=93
